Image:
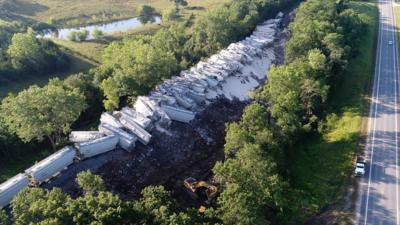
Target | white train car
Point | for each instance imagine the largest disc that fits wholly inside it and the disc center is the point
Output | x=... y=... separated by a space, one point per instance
x=142 y=107
x=197 y=97
x=96 y=147
x=179 y=114
x=126 y=140
x=142 y=135
x=137 y=117
x=183 y=101
x=152 y=110
x=51 y=165
x=83 y=136
x=12 y=187
x=110 y=119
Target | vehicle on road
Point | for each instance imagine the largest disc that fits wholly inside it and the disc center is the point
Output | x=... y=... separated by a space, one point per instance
x=360 y=166
x=390 y=42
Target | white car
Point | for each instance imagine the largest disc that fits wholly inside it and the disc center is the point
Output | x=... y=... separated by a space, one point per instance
x=360 y=167
x=390 y=42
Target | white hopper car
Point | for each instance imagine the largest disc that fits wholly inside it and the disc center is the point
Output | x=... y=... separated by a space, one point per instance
x=126 y=140
x=83 y=136
x=11 y=187
x=96 y=147
x=51 y=165
x=179 y=114
x=130 y=125
x=138 y=118
x=110 y=119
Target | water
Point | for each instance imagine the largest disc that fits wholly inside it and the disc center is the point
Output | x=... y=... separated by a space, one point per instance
x=107 y=28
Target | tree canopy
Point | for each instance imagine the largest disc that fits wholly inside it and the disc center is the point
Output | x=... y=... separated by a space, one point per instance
x=42 y=112
x=22 y=53
x=136 y=68
x=146 y=14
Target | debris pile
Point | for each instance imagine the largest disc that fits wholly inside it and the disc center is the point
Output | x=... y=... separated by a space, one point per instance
x=187 y=149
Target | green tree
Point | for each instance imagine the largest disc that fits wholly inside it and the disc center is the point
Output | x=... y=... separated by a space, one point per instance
x=178 y=3
x=42 y=112
x=97 y=34
x=101 y=208
x=136 y=68
x=111 y=92
x=38 y=206
x=72 y=36
x=250 y=187
x=295 y=95
x=82 y=35
x=169 y=15
x=171 y=40
x=211 y=33
x=25 y=52
x=3 y=218
x=157 y=204
x=317 y=60
x=90 y=182
x=146 y=14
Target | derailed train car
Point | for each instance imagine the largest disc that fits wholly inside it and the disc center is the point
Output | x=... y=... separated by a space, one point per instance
x=11 y=187
x=96 y=147
x=51 y=165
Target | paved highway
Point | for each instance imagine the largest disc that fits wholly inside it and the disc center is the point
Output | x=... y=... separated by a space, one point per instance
x=378 y=199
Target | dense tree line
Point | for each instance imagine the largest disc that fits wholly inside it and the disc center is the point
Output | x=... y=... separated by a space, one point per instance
x=256 y=189
x=97 y=206
x=21 y=53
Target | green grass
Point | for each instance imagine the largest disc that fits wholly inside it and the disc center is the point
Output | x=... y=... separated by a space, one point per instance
x=90 y=51
x=78 y=63
x=78 y=12
x=323 y=166
x=397 y=15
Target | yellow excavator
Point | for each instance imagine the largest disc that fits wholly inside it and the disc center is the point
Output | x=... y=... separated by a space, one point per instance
x=201 y=190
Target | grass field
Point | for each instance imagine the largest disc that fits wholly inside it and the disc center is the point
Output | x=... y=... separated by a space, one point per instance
x=397 y=15
x=78 y=63
x=323 y=167
x=78 y=12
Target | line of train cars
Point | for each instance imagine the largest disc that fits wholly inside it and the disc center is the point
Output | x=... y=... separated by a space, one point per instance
x=175 y=99
x=115 y=130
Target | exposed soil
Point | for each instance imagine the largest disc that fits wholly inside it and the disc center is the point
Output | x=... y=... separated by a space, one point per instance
x=187 y=150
